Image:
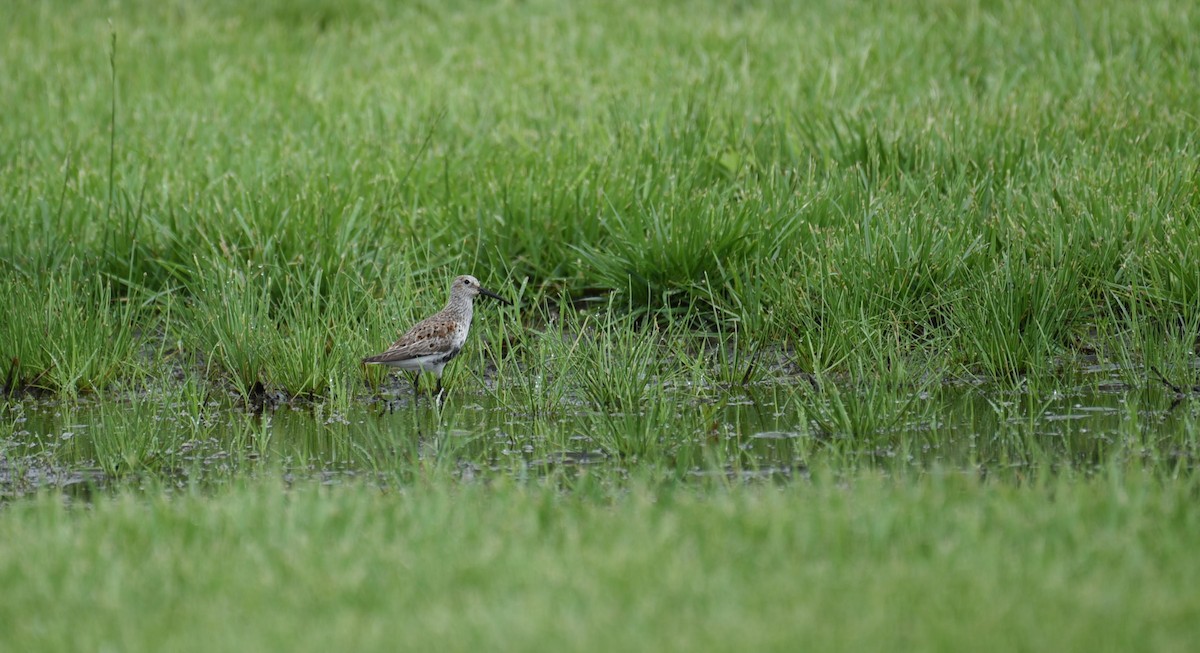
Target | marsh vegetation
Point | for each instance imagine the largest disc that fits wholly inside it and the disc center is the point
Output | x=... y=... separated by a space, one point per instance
x=821 y=309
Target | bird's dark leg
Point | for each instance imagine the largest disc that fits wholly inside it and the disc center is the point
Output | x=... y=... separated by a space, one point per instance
x=416 y=378
x=383 y=403
x=439 y=386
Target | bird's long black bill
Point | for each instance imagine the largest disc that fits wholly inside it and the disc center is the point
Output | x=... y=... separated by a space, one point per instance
x=485 y=291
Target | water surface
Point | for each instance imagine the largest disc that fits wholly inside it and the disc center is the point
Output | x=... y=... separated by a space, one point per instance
x=777 y=431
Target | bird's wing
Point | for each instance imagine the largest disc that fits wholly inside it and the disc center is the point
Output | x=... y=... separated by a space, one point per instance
x=424 y=339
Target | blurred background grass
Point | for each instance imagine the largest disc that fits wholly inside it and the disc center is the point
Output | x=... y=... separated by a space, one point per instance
x=984 y=185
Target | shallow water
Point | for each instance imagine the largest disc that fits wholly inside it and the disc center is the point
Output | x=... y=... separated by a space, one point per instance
x=768 y=431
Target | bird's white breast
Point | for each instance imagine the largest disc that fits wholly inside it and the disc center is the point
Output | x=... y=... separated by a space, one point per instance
x=459 y=337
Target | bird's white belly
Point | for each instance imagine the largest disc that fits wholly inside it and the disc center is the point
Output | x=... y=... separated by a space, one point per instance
x=431 y=363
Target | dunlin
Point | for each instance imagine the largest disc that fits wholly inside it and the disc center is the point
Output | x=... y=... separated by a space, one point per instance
x=434 y=341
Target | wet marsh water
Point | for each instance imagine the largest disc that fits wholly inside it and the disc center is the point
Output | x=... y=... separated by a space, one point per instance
x=775 y=431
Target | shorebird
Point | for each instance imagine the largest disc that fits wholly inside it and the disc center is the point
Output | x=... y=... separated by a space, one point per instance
x=434 y=341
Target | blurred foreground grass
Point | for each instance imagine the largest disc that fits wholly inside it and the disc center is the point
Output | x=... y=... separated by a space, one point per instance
x=939 y=563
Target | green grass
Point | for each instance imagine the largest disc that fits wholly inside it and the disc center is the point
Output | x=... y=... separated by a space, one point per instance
x=66 y=333
x=987 y=187
x=762 y=254
x=940 y=563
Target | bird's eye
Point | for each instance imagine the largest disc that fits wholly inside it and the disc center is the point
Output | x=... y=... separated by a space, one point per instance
x=466 y=282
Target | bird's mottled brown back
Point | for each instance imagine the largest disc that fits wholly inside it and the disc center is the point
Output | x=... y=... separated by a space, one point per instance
x=432 y=336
